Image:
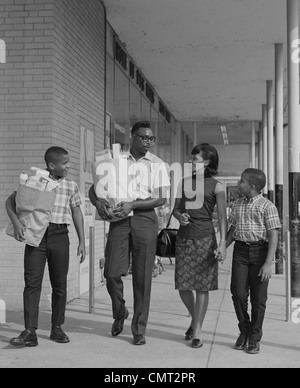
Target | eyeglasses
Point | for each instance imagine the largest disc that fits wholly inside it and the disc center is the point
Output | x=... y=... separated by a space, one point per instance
x=145 y=139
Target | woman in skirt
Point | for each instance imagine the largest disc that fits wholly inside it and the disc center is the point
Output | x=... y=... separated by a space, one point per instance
x=197 y=251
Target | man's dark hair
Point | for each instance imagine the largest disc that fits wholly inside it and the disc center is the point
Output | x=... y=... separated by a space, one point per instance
x=140 y=124
x=256 y=177
x=209 y=153
x=53 y=154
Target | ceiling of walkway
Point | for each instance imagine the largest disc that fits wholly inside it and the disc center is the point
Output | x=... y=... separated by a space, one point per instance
x=208 y=60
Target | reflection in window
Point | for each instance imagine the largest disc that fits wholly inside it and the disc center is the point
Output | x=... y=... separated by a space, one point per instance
x=135 y=104
x=121 y=108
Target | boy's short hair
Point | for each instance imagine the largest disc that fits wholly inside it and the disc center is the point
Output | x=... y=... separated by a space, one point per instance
x=256 y=177
x=53 y=154
x=140 y=124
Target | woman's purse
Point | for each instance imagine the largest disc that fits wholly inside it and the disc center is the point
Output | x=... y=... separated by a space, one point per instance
x=166 y=240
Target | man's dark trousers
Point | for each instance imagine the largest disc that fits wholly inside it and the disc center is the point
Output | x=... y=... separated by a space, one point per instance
x=132 y=238
x=246 y=263
x=53 y=248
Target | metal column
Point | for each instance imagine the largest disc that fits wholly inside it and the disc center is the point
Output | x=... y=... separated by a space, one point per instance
x=260 y=147
x=265 y=146
x=195 y=134
x=253 y=133
x=294 y=142
x=279 y=151
x=270 y=124
x=92 y=269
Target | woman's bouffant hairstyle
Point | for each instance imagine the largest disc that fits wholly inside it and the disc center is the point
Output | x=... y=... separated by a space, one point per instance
x=208 y=152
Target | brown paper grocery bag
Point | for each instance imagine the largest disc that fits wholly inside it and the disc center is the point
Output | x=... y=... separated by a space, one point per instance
x=34 y=209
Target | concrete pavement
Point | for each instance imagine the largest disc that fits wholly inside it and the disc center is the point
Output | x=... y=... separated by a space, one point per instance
x=92 y=346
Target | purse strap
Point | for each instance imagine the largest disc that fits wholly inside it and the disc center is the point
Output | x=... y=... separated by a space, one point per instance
x=169 y=221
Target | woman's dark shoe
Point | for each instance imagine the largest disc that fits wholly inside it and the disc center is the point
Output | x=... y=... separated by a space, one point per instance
x=196 y=343
x=26 y=338
x=189 y=334
x=118 y=324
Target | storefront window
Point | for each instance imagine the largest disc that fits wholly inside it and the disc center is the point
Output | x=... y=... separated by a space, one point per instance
x=131 y=98
x=135 y=104
x=161 y=139
x=168 y=144
x=146 y=109
x=121 y=108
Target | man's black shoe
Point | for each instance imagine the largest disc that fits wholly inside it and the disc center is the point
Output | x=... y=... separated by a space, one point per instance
x=253 y=347
x=139 y=339
x=241 y=342
x=58 y=335
x=118 y=324
x=26 y=338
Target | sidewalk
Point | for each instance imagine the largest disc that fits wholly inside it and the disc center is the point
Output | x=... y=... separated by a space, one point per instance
x=92 y=346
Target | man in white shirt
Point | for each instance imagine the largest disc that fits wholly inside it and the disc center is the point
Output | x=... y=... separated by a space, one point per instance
x=135 y=236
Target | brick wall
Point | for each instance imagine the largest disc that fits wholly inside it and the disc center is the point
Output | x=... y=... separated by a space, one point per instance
x=52 y=83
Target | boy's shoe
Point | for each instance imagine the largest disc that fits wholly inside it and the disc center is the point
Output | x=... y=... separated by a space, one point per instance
x=58 y=335
x=26 y=338
x=253 y=347
x=241 y=342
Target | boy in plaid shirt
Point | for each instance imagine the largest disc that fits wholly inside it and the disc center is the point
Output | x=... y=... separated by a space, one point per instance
x=254 y=227
x=54 y=249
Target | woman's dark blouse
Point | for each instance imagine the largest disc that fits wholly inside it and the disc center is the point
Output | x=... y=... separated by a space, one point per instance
x=201 y=223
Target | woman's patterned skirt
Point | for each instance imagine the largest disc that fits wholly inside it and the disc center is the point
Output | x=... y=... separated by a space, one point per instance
x=196 y=267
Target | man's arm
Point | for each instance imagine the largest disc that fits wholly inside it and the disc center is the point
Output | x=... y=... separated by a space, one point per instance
x=158 y=199
x=19 y=228
x=79 y=226
x=103 y=207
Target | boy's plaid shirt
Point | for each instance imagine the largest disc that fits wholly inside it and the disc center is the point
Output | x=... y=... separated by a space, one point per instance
x=253 y=218
x=67 y=196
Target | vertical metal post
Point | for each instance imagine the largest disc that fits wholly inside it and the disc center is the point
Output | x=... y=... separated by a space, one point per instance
x=288 y=276
x=2 y=311
x=260 y=147
x=265 y=146
x=195 y=134
x=279 y=151
x=294 y=142
x=91 y=268
x=270 y=121
x=253 y=138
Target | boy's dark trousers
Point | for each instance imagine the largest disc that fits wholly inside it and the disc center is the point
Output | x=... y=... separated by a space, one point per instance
x=133 y=237
x=53 y=248
x=246 y=264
